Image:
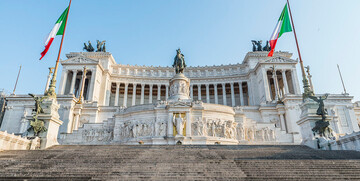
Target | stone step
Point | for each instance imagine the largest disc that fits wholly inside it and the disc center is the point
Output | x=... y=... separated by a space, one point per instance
x=194 y=162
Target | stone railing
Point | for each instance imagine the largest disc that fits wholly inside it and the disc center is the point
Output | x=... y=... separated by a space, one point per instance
x=13 y=142
x=347 y=142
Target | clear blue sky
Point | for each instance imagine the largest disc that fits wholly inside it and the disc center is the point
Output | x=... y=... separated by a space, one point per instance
x=209 y=32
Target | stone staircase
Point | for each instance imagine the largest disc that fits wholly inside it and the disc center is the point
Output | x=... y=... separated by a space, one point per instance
x=179 y=162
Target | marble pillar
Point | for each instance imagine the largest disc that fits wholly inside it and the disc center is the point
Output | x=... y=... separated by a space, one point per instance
x=117 y=94
x=125 y=94
x=133 y=95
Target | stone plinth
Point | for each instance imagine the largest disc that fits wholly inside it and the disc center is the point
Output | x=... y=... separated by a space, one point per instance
x=307 y=122
x=51 y=121
x=179 y=88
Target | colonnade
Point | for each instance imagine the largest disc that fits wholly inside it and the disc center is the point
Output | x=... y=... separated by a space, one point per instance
x=71 y=82
x=279 y=82
x=130 y=94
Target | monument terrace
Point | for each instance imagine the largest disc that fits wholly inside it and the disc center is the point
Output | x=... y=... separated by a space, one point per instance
x=257 y=101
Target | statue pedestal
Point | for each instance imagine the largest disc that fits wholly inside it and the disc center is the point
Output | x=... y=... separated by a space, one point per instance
x=51 y=122
x=179 y=88
x=307 y=122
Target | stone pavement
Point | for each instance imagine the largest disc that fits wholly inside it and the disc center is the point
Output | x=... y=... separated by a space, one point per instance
x=179 y=162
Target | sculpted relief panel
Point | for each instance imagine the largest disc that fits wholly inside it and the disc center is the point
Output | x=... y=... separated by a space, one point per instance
x=142 y=128
x=97 y=135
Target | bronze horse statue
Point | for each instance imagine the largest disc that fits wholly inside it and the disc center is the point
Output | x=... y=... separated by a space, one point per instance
x=179 y=62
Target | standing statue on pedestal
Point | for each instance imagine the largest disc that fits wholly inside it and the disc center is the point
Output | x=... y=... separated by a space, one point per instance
x=179 y=62
x=179 y=123
x=322 y=126
x=36 y=124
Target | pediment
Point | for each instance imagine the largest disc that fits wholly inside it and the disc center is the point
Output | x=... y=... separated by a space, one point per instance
x=80 y=60
x=280 y=60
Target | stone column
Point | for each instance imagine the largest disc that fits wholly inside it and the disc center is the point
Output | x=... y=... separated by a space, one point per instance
x=142 y=93
x=125 y=94
x=63 y=81
x=76 y=122
x=207 y=93
x=134 y=95
x=117 y=94
x=199 y=91
x=232 y=94
x=276 y=86
x=73 y=80
x=266 y=85
x=191 y=91
x=241 y=94
x=167 y=92
x=282 y=122
x=216 y=94
x=92 y=84
x=159 y=92
x=81 y=83
x=285 y=81
x=188 y=124
x=224 y=94
x=108 y=92
x=295 y=81
x=150 y=93
x=170 y=125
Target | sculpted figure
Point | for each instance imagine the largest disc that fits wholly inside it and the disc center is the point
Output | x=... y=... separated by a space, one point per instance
x=322 y=127
x=99 y=46
x=162 y=131
x=204 y=127
x=258 y=44
x=267 y=47
x=89 y=47
x=179 y=122
x=179 y=62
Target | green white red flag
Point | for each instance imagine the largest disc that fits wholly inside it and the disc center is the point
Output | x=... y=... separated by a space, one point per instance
x=283 y=25
x=58 y=29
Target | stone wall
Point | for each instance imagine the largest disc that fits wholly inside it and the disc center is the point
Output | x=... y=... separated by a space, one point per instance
x=13 y=142
x=347 y=142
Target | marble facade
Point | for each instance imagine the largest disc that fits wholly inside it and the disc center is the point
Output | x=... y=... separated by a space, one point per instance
x=224 y=104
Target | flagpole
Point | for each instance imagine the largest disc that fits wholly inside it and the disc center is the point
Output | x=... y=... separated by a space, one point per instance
x=51 y=90
x=342 y=81
x=16 y=81
x=307 y=90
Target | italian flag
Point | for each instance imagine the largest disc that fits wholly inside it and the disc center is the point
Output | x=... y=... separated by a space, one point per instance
x=283 y=25
x=58 y=29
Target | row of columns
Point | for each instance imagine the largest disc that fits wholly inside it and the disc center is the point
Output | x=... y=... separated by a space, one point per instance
x=142 y=98
x=150 y=99
x=223 y=93
x=64 y=80
x=274 y=77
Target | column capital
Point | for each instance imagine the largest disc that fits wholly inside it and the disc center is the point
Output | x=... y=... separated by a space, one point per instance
x=223 y=84
x=215 y=84
x=231 y=83
x=126 y=84
x=207 y=84
x=117 y=84
x=142 y=85
x=134 y=84
x=159 y=85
